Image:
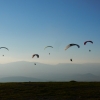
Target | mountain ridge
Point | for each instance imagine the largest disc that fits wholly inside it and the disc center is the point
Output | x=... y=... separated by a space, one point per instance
x=59 y=72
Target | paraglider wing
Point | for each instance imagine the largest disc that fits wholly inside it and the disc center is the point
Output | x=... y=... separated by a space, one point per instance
x=5 y=48
x=48 y=46
x=71 y=45
x=67 y=47
x=88 y=41
x=35 y=55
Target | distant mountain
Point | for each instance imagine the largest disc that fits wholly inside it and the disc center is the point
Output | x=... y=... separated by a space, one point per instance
x=19 y=79
x=85 y=77
x=77 y=77
x=59 y=72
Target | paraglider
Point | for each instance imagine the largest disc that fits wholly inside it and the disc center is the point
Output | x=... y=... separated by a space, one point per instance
x=47 y=47
x=5 y=48
x=87 y=42
x=71 y=45
x=35 y=55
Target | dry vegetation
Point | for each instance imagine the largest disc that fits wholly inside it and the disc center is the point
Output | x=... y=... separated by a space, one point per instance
x=50 y=91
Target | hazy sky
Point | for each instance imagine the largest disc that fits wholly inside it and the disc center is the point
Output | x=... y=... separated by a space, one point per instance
x=27 y=26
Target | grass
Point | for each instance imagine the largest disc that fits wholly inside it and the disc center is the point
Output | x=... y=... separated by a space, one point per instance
x=50 y=91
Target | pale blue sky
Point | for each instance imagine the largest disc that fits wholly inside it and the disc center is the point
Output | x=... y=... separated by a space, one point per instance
x=27 y=26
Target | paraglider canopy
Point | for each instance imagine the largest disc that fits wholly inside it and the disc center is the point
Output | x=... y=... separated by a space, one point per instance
x=88 y=41
x=4 y=47
x=71 y=45
x=48 y=46
x=35 y=55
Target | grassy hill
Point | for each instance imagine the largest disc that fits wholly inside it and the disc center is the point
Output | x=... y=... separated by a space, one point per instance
x=50 y=91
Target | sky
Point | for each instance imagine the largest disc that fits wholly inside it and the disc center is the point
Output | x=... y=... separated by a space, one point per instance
x=28 y=26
